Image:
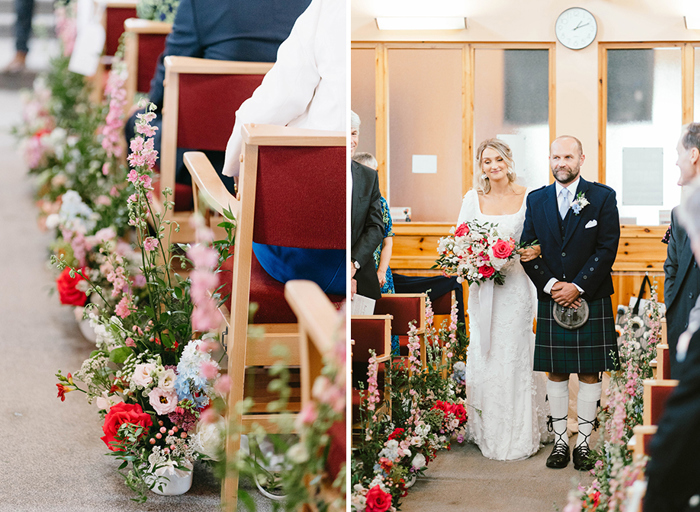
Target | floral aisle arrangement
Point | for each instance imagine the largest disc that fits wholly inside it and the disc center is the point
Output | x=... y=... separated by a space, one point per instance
x=157 y=10
x=428 y=411
x=475 y=252
x=150 y=375
x=614 y=469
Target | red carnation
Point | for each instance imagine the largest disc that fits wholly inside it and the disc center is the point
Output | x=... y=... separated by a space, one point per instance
x=68 y=292
x=462 y=230
x=486 y=271
x=377 y=500
x=119 y=414
x=502 y=249
x=397 y=433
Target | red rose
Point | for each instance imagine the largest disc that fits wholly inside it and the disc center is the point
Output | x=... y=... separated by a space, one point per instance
x=378 y=500
x=459 y=412
x=123 y=413
x=67 y=291
x=462 y=230
x=486 y=271
x=397 y=433
x=502 y=249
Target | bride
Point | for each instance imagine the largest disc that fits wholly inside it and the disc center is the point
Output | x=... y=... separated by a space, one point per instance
x=507 y=416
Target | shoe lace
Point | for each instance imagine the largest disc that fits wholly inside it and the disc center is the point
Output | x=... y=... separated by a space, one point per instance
x=559 y=444
x=584 y=444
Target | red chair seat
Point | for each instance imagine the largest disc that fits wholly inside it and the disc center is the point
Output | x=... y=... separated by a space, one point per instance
x=336 y=452
x=266 y=292
x=183 y=196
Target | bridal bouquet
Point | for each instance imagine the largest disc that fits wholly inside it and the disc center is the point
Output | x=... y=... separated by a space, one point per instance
x=476 y=253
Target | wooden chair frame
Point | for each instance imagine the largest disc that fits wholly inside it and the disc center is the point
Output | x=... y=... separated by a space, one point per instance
x=204 y=177
x=648 y=385
x=134 y=27
x=174 y=67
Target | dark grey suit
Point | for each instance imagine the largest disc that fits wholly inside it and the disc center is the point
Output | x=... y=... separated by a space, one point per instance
x=367 y=228
x=681 y=286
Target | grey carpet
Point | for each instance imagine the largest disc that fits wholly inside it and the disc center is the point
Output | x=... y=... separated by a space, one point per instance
x=51 y=455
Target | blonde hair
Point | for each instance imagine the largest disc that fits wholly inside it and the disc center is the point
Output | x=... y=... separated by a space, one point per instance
x=366 y=159
x=482 y=185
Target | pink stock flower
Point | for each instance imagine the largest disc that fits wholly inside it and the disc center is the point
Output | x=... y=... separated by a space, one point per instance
x=136 y=144
x=208 y=369
x=205 y=319
x=222 y=384
x=150 y=244
x=146 y=129
x=133 y=176
x=123 y=308
x=139 y=280
x=203 y=256
x=145 y=181
x=307 y=415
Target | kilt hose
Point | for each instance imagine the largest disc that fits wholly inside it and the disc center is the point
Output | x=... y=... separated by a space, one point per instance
x=592 y=348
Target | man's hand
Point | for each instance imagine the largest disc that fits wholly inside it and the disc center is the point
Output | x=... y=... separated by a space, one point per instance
x=353 y=270
x=566 y=294
x=353 y=288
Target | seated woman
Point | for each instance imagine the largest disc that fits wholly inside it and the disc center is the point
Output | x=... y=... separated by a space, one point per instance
x=305 y=88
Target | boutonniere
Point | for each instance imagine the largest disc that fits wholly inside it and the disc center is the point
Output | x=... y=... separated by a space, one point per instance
x=579 y=203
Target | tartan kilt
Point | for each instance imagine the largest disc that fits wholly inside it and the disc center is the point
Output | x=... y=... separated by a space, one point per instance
x=592 y=348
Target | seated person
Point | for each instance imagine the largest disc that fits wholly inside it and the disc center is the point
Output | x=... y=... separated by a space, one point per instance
x=221 y=30
x=305 y=88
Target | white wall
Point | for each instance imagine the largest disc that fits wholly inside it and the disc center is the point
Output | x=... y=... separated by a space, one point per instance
x=533 y=20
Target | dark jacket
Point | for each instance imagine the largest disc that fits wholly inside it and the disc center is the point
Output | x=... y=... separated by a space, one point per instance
x=681 y=286
x=580 y=255
x=367 y=228
x=227 y=30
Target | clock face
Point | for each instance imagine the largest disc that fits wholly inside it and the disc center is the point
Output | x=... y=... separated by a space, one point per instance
x=576 y=28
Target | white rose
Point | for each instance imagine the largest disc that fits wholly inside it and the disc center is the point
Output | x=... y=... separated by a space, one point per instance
x=105 y=402
x=418 y=461
x=142 y=374
x=209 y=438
x=166 y=380
x=298 y=453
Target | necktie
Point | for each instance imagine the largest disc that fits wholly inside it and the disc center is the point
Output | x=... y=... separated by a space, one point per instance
x=564 y=204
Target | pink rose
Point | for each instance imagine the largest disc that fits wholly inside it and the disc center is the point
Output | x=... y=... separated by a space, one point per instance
x=462 y=230
x=486 y=271
x=502 y=249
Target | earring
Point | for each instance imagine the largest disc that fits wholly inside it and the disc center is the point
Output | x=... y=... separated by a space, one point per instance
x=484 y=177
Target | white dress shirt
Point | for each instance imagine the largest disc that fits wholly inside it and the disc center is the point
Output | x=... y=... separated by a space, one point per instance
x=571 y=190
x=306 y=86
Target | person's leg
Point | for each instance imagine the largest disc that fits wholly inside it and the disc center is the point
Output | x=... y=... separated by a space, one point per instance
x=589 y=392
x=24 y=10
x=558 y=396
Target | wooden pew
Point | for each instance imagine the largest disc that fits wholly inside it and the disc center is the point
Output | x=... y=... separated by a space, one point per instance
x=275 y=160
x=200 y=100
x=404 y=308
x=656 y=392
x=145 y=41
x=639 y=443
x=321 y=329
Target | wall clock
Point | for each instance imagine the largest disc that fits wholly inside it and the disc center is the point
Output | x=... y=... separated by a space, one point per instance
x=576 y=28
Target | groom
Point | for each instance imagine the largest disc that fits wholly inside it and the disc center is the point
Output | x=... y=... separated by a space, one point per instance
x=577 y=226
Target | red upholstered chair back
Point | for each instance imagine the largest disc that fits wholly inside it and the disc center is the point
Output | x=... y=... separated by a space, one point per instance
x=646 y=441
x=659 y=396
x=442 y=305
x=404 y=309
x=207 y=108
x=150 y=48
x=300 y=197
x=368 y=334
x=114 y=26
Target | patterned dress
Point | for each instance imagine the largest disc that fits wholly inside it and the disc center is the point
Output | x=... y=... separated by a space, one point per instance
x=389 y=284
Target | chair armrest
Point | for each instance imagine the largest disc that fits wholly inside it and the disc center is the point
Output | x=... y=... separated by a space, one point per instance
x=315 y=311
x=275 y=135
x=139 y=26
x=215 y=67
x=118 y=4
x=205 y=177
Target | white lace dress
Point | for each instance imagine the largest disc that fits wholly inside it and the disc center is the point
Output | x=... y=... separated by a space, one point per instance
x=507 y=410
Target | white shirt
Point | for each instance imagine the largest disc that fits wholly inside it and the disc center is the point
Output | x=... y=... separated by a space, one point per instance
x=306 y=86
x=571 y=190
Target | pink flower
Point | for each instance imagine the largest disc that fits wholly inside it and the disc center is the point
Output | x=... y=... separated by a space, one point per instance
x=123 y=308
x=129 y=342
x=208 y=369
x=502 y=249
x=146 y=181
x=105 y=168
x=306 y=416
x=147 y=130
x=133 y=176
x=223 y=384
x=203 y=256
x=150 y=243
x=114 y=192
x=209 y=416
x=139 y=280
x=164 y=402
x=136 y=144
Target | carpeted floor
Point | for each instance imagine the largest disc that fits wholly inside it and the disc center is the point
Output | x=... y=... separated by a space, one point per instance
x=51 y=455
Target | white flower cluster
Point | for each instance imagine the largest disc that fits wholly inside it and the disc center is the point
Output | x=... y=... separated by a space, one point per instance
x=74 y=215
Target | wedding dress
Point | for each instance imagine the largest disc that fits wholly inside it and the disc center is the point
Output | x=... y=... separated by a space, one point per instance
x=507 y=410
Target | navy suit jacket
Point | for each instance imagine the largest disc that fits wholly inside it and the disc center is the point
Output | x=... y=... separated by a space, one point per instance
x=583 y=255
x=227 y=30
x=675 y=448
x=681 y=286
